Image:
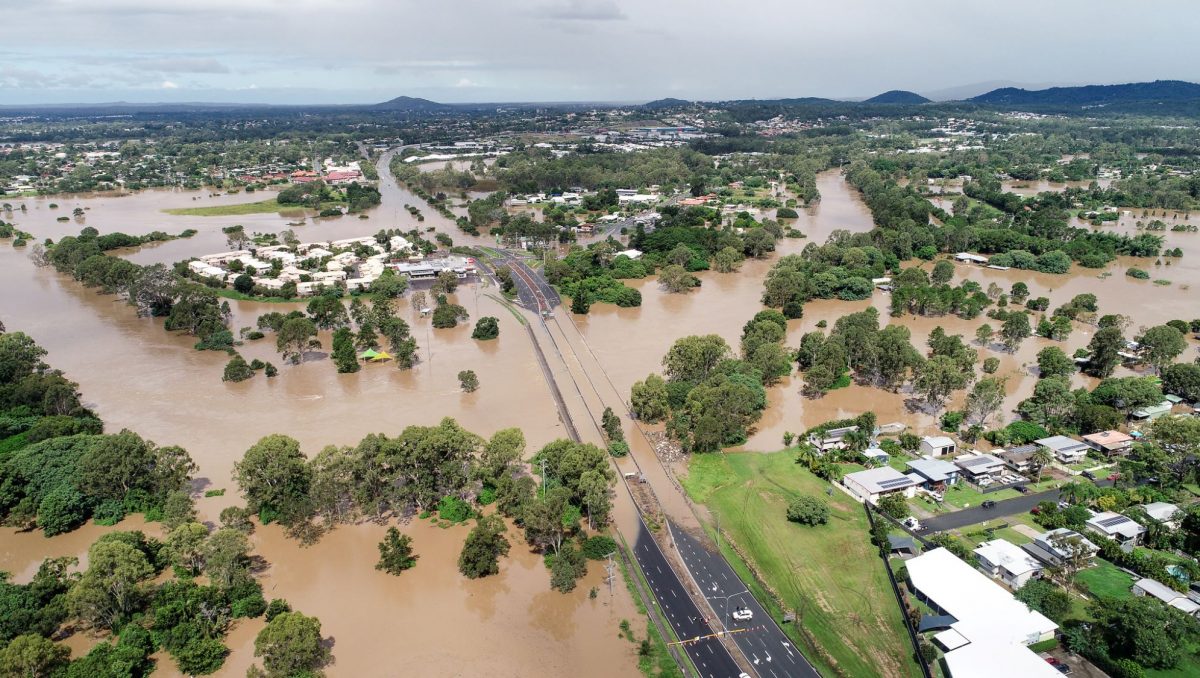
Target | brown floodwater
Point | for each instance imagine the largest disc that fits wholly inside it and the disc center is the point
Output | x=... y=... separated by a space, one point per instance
x=139 y=377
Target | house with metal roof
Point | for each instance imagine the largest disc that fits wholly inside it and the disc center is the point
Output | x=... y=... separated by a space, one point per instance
x=1109 y=442
x=937 y=446
x=1164 y=512
x=1004 y=560
x=935 y=474
x=1168 y=595
x=1123 y=529
x=1057 y=546
x=1152 y=412
x=992 y=630
x=1067 y=450
x=871 y=484
x=1019 y=458
x=981 y=469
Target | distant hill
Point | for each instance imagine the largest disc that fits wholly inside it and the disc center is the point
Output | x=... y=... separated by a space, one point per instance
x=897 y=96
x=668 y=102
x=413 y=104
x=1093 y=95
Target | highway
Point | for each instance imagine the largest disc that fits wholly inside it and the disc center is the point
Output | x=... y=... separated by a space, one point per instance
x=764 y=643
x=710 y=657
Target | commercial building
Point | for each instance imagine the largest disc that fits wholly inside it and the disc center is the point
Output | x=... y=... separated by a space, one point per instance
x=991 y=631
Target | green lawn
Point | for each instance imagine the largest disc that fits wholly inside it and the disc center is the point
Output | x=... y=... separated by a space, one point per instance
x=1104 y=580
x=831 y=575
x=261 y=207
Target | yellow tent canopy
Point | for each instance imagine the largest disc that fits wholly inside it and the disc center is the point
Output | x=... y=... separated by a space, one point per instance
x=380 y=357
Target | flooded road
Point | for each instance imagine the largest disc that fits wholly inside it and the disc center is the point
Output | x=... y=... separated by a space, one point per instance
x=140 y=377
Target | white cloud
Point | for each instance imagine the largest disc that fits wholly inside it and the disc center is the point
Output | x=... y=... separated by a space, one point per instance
x=584 y=10
x=167 y=84
x=466 y=82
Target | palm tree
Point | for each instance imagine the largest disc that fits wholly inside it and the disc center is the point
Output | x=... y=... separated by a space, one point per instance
x=1040 y=459
x=807 y=454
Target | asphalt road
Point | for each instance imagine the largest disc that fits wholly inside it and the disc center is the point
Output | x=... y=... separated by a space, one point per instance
x=763 y=642
x=978 y=514
x=711 y=658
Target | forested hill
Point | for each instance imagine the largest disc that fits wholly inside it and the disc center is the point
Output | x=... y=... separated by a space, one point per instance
x=1094 y=95
x=412 y=104
x=897 y=96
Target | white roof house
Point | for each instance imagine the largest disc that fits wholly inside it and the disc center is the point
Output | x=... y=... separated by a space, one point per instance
x=1163 y=512
x=1007 y=561
x=1115 y=526
x=971 y=258
x=632 y=254
x=873 y=483
x=1067 y=450
x=1169 y=596
x=977 y=465
x=993 y=629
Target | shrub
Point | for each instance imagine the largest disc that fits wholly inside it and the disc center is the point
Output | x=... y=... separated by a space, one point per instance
x=598 y=547
x=618 y=448
x=454 y=509
x=786 y=213
x=808 y=511
x=1137 y=273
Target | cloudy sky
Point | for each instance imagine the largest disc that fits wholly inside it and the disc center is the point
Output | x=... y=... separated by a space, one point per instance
x=360 y=51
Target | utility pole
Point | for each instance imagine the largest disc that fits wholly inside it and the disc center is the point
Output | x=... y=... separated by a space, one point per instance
x=543 y=480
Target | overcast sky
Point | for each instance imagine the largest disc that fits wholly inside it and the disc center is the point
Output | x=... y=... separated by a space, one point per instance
x=361 y=51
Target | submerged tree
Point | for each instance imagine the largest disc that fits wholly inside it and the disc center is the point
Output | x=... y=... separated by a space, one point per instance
x=395 y=552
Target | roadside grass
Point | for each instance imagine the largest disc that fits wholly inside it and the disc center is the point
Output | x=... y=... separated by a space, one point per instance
x=659 y=661
x=830 y=576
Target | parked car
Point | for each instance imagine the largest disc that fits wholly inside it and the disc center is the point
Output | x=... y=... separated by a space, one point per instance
x=1089 y=474
x=1064 y=669
x=912 y=523
x=988 y=503
x=1035 y=510
x=743 y=614
x=1064 y=504
x=1022 y=489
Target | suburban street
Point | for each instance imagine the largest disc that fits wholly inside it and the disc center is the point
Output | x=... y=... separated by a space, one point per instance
x=711 y=658
x=763 y=642
x=1002 y=509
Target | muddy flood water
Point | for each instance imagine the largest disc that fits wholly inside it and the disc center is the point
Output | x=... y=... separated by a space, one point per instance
x=431 y=619
x=139 y=377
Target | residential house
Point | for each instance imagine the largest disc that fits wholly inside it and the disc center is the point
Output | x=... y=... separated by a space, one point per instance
x=1115 y=526
x=1109 y=442
x=877 y=456
x=1151 y=412
x=1067 y=450
x=874 y=483
x=1004 y=560
x=1168 y=595
x=1020 y=458
x=937 y=446
x=935 y=474
x=830 y=439
x=991 y=630
x=967 y=257
x=1057 y=546
x=981 y=469
x=1166 y=513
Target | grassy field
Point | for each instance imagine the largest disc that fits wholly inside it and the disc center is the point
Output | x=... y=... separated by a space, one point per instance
x=261 y=207
x=1104 y=580
x=829 y=575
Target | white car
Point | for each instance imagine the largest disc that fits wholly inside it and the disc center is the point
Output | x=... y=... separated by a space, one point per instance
x=912 y=524
x=742 y=614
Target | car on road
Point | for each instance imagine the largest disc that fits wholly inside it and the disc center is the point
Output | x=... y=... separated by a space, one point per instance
x=1064 y=669
x=988 y=503
x=912 y=523
x=742 y=614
